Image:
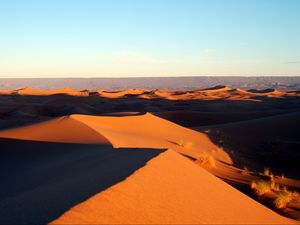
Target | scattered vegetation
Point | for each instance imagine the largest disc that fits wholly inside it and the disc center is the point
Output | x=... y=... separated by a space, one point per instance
x=282 y=195
x=282 y=200
x=246 y=170
x=207 y=160
x=267 y=172
x=275 y=186
x=253 y=185
x=261 y=187
x=220 y=137
x=207 y=131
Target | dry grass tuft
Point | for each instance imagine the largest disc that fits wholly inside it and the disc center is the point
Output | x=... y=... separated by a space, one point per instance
x=267 y=172
x=284 y=189
x=246 y=170
x=275 y=186
x=295 y=194
x=253 y=185
x=206 y=160
x=261 y=187
x=207 y=131
x=283 y=199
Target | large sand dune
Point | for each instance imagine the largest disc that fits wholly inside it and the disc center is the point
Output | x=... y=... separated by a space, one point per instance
x=138 y=131
x=171 y=190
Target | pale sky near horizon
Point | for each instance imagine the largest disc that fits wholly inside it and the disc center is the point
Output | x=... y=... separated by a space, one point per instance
x=121 y=38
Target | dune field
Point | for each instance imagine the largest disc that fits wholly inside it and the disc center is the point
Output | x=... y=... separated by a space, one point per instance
x=219 y=155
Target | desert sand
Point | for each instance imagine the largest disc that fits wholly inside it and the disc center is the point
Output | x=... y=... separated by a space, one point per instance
x=134 y=156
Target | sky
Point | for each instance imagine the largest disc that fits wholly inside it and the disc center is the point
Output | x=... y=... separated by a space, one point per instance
x=134 y=38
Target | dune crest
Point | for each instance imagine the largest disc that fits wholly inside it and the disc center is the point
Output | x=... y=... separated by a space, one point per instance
x=171 y=189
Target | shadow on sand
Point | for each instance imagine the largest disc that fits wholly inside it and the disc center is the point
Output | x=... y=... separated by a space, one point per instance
x=41 y=180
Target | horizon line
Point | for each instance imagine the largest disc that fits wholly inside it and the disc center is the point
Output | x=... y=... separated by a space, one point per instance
x=132 y=77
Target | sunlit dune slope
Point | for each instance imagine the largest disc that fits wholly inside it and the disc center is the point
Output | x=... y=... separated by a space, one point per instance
x=171 y=189
x=119 y=94
x=63 y=129
x=133 y=131
x=65 y=91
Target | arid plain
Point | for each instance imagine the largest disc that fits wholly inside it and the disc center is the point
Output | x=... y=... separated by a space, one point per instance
x=219 y=155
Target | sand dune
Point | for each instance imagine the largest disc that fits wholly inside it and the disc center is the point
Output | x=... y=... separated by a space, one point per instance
x=132 y=131
x=271 y=141
x=63 y=130
x=42 y=180
x=217 y=92
x=34 y=92
x=171 y=190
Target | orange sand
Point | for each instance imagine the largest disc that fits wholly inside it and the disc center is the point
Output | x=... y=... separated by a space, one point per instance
x=171 y=189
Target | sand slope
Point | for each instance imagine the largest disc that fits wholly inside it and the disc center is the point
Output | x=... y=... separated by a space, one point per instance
x=63 y=130
x=42 y=180
x=132 y=131
x=266 y=142
x=170 y=189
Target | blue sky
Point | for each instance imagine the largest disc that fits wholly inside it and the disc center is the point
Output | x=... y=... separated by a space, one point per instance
x=117 y=38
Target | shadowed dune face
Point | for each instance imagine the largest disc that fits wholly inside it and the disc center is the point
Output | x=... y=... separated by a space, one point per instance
x=271 y=142
x=41 y=180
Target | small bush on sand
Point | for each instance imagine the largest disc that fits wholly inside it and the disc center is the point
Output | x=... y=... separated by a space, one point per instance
x=246 y=170
x=295 y=194
x=284 y=189
x=261 y=187
x=253 y=185
x=275 y=186
x=282 y=200
x=207 y=131
x=267 y=172
x=206 y=160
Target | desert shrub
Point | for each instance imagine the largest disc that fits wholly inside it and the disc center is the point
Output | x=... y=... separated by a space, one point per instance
x=253 y=185
x=261 y=187
x=267 y=172
x=283 y=199
x=207 y=131
x=295 y=194
x=284 y=189
x=245 y=170
x=207 y=160
x=220 y=137
x=275 y=186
